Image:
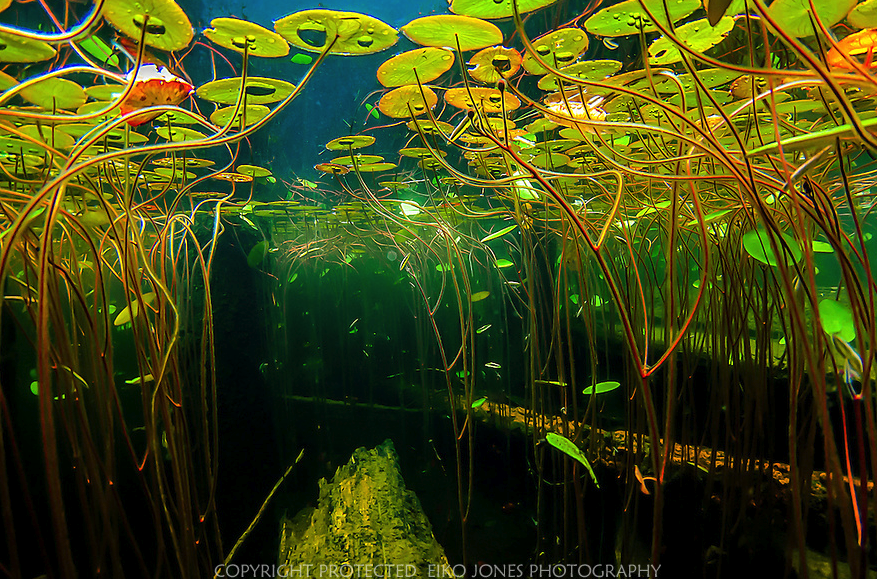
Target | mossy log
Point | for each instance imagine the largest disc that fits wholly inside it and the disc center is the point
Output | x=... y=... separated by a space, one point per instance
x=365 y=521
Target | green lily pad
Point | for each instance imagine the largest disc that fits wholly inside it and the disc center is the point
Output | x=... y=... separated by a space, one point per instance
x=837 y=319
x=757 y=244
x=794 y=15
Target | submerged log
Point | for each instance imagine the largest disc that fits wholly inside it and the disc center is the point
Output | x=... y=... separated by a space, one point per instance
x=366 y=522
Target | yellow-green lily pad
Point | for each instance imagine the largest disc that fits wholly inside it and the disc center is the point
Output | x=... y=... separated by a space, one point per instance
x=260 y=91
x=492 y=9
x=251 y=114
x=167 y=26
x=238 y=35
x=558 y=48
x=346 y=32
x=794 y=15
x=628 y=17
x=423 y=64
x=17 y=49
x=698 y=35
x=55 y=93
x=446 y=30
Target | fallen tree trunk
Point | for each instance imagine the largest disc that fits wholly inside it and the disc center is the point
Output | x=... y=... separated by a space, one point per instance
x=366 y=524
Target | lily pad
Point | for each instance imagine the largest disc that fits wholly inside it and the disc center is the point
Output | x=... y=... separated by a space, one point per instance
x=558 y=49
x=260 y=91
x=837 y=319
x=350 y=142
x=757 y=244
x=17 y=49
x=491 y=64
x=445 y=30
x=253 y=171
x=167 y=26
x=487 y=100
x=699 y=35
x=794 y=15
x=628 y=17
x=492 y=9
x=423 y=64
x=251 y=114
x=238 y=35
x=396 y=103
x=478 y=296
x=55 y=93
x=346 y=32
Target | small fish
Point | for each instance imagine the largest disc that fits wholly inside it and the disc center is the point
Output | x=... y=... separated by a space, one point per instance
x=852 y=366
x=404 y=262
x=483 y=329
x=493 y=365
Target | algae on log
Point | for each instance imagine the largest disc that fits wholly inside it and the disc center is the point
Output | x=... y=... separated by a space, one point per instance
x=365 y=516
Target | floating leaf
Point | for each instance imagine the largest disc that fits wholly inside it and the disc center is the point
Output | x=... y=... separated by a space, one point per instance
x=478 y=296
x=757 y=244
x=574 y=298
x=498 y=234
x=478 y=403
x=837 y=318
x=699 y=36
x=501 y=263
x=822 y=247
x=35 y=388
x=566 y=446
x=372 y=110
x=601 y=388
x=443 y=267
x=797 y=18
